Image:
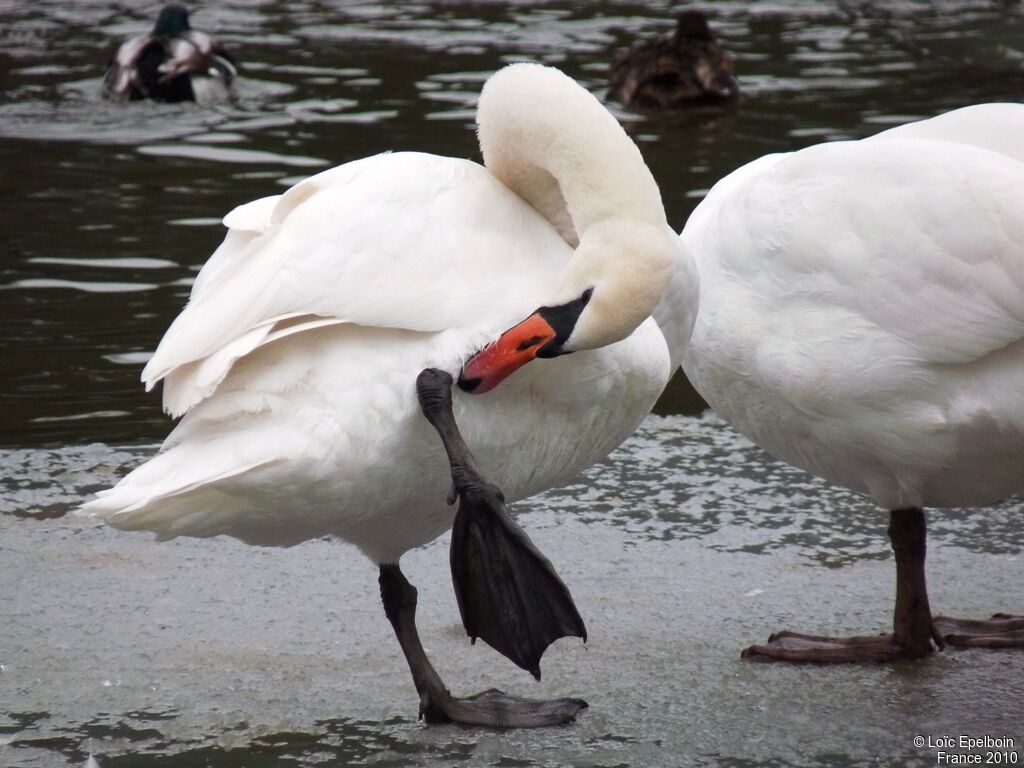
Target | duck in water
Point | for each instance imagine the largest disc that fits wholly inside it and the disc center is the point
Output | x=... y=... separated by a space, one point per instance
x=172 y=63
x=671 y=72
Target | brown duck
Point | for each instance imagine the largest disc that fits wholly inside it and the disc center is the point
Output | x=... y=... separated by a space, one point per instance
x=670 y=72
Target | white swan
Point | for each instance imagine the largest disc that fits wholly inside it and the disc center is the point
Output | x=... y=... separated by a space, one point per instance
x=295 y=361
x=862 y=317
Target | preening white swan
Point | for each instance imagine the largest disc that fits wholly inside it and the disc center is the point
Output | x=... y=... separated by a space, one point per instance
x=862 y=317
x=296 y=359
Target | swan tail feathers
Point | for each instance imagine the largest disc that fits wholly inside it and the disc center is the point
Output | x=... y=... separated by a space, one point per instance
x=189 y=383
x=180 y=492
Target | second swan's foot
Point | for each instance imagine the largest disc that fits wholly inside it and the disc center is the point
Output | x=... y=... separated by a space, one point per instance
x=1003 y=630
x=495 y=709
x=818 y=649
x=914 y=633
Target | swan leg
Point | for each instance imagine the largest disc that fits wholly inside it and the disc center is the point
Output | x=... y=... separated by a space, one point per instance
x=914 y=634
x=491 y=708
x=1001 y=631
x=509 y=593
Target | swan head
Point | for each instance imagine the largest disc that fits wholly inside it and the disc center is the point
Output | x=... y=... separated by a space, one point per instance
x=613 y=283
x=172 y=21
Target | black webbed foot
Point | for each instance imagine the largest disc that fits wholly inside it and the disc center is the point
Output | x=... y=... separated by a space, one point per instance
x=495 y=709
x=509 y=593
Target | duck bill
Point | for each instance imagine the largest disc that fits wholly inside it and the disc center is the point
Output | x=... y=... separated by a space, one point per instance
x=500 y=359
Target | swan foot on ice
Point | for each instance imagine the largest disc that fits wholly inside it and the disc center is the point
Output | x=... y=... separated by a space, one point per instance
x=914 y=629
x=491 y=708
x=1003 y=630
x=914 y=634
x=796 y=647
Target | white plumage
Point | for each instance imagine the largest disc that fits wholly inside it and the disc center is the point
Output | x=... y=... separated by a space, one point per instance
x=862 y=317
x=862 y=308
x=295 y=361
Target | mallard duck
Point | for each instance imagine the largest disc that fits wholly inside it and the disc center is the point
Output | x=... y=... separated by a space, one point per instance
x=172 y=63
x=675 y=71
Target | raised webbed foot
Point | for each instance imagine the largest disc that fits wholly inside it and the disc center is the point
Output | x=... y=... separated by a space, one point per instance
x=509 y=593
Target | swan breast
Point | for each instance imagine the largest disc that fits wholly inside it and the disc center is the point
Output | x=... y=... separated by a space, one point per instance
x=862 y=315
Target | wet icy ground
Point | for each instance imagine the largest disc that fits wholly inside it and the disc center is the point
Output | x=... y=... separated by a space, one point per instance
x=688 y=544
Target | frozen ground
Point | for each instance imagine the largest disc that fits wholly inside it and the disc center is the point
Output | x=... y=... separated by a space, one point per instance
x=684 y=547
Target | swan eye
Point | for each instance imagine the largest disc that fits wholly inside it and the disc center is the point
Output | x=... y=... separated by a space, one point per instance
x=562 y=319
x=533 y=341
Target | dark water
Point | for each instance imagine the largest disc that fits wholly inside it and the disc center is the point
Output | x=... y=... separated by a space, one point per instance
x=107 y=212
x=688 y=544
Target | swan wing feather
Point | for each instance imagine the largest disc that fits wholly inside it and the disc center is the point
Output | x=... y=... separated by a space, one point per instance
x=917 y=241
x=996 y=127
x=380 y=242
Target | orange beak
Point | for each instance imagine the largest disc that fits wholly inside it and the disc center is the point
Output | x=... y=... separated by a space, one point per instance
x=500 y=359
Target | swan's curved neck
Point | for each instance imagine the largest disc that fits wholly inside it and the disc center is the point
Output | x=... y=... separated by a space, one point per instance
x=554 y=144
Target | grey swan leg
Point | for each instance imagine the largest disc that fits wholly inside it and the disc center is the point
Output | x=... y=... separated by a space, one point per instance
x=508 y=592
x=914 y=634
x=491 y=708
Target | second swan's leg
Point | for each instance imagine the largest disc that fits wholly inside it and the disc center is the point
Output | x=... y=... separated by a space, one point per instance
x=913 y=631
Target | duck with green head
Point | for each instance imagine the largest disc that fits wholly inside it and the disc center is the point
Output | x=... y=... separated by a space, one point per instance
x=172 y=63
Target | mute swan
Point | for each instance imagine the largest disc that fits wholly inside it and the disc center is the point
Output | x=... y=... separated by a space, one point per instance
x=677 y=71
x=172 y=63
x=862 y=317
x=295 y=361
